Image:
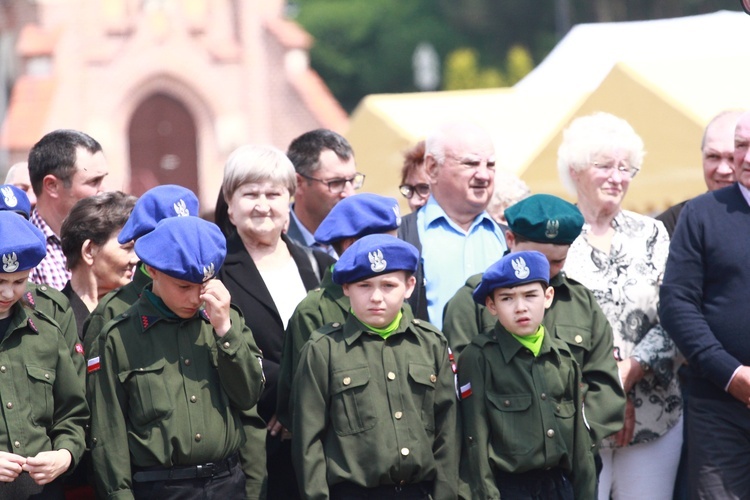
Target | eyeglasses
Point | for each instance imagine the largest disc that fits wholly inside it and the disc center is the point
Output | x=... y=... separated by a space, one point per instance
x=422 y=189
x=624 y=169
x=337 y=186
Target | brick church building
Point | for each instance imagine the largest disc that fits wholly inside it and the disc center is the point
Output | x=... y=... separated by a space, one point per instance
x=168 y=87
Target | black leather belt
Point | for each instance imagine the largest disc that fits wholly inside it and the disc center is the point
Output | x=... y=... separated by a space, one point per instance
x=202 y=471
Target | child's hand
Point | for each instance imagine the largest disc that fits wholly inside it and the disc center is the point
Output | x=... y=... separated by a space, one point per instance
x=217 y=299
x=47 y=465
x=11 y=465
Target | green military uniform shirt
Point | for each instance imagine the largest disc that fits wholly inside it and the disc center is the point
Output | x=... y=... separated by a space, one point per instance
x=169 y=391
x=575 y=318
x=55 y=305
x=377 y=412
x=324 y=305
x=117 y=302
x=521 y=413
x=43 y=403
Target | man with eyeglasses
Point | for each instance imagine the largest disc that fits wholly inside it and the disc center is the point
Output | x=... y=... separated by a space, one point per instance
x=326 y=174
x=455 y=235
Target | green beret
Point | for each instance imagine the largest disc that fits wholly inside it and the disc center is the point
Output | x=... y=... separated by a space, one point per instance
x=544 y=218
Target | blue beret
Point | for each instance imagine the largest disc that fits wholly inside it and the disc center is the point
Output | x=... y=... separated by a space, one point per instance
x=544 y=218
x=359 y=215
x=22 y=245
x=186 y=248
x=14 y=199
x=154 y=205
x=514 y=269
x=372 y=255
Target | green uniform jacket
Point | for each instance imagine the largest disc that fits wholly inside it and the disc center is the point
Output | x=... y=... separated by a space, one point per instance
x=377 y=412
x=170 y=392
x=321 y=306
x=575 y=318
x=117 y=302
x=55 y=305
x=522 y=413
x=44 y=407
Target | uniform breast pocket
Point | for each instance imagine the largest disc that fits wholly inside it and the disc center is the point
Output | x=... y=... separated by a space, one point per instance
x=41 y=382
x=352 y=405
x=148 y=396
x=423 y=379
x=510 y=415
x=577 y=339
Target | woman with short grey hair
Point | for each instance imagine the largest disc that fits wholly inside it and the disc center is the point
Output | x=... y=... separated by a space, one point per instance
x=621 y=256
x=267 y=275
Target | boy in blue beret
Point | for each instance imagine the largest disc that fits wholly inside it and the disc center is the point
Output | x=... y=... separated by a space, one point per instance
x=378 y=393
x=521 y=405
x=350 y=219
x=156 y=204
x=549 y=225
x=43 y=398
x=173 y=374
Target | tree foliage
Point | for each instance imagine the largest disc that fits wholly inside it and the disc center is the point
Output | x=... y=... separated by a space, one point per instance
x=366 y=46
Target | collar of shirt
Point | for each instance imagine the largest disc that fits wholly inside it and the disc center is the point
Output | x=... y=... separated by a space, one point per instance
x=151 y=309
x=433 y=214
x=353 y=328
x=309 y=237
x=40 y=223
x=745 y=193
x=510 y=347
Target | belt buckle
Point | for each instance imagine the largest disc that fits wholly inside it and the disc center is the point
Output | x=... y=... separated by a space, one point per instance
x=205 y=470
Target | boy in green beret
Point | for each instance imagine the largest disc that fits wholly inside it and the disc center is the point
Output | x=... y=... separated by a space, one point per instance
x=378 y=390
x=521 y=405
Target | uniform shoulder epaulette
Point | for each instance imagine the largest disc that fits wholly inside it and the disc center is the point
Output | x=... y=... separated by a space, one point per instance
x=426 y=325
x=329 y=328
x=473 y=281
x=54 y=295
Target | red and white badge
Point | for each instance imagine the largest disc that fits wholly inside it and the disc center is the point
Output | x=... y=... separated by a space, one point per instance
x=93 y=365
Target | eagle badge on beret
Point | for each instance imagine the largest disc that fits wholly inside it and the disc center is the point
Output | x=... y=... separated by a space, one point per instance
x=10 y=262
x=521 y=269
x=553 y=229
x=377 y=262
x=181 y=209
x=208 y=272
x=9 y=196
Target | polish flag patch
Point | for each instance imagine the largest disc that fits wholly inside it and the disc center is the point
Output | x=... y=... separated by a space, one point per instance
x=93 y=365
x=466 y=390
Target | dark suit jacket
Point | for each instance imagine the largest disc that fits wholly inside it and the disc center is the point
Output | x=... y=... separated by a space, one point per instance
x=243 y=280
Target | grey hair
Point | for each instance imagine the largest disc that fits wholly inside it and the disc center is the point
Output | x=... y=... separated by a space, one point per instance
x=257 y=163
x=594 y=135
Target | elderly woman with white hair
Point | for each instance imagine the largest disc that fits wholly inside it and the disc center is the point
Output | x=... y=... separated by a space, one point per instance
x=267 y=275
x=621 y=256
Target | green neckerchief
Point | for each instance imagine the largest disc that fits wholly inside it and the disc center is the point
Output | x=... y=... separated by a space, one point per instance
x=383 y=332
x=143 y=269
x=532 y=342
x=159 y=304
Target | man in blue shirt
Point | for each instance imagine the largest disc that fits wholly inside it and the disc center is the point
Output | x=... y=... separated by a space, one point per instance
x=457 y=238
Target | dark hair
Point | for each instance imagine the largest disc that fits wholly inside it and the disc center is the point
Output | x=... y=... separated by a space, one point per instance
x=55 y=154
x=95 y=218
x=304 y=151
x=413 y=160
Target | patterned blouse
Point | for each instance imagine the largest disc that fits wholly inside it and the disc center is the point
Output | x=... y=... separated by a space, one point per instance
x=626 y=286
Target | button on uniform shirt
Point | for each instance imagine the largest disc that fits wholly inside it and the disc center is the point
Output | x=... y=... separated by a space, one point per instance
x=168 y=392
x=377 y=412
x=521 y=413
x=43 y=402
x=451 y=255
x=52 y=270
x=575 y=318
